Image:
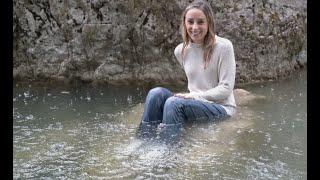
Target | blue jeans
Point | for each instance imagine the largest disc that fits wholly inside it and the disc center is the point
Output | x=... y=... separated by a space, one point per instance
x=172 y=112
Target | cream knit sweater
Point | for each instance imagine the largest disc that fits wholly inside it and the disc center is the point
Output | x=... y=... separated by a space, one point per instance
x=216 y=82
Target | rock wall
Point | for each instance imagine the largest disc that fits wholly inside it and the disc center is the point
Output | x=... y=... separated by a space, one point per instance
x=122 y=41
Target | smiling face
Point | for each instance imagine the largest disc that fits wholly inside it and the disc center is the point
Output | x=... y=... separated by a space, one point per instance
x=196 y=25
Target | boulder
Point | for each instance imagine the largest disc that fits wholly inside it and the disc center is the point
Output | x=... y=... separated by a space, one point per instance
x=133 y=41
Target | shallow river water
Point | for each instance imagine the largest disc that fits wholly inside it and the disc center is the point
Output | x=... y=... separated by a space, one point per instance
x=80 y=132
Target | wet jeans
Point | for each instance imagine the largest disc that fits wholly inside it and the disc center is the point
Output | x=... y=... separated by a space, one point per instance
x=166 y=114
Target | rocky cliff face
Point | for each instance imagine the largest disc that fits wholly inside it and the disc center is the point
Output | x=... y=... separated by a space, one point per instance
x=121 y=41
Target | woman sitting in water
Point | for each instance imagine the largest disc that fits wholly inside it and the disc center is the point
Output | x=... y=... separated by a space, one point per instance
x=209 y=63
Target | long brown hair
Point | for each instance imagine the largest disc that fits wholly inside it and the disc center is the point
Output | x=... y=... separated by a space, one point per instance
x=209 y=39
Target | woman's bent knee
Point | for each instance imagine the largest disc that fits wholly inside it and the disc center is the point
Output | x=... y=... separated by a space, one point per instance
x=157 y=91
x=173 y=113
x=173 y=102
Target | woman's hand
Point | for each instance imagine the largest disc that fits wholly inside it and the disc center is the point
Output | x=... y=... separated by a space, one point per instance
x=184 y=95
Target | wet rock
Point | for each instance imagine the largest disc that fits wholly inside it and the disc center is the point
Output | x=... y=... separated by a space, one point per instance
x=244 y=97
x=85 y=40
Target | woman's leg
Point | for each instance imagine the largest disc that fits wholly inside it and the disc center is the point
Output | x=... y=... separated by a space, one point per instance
x=153 y=111
x=178 y=110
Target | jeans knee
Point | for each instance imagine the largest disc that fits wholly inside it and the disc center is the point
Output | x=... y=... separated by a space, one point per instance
x=172 y=110
x=172 y=103
x=156 y=91
x=173 y=113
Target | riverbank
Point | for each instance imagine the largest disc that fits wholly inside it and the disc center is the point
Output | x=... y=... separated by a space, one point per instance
x=78 y=82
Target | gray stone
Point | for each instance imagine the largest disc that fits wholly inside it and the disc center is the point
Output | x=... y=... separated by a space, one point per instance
x=133 y=41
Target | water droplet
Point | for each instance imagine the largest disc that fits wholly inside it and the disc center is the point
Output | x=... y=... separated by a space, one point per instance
x=26 y=94
x=265 y=170
x=96 y=116
x=53 y=108
x=129 y=99
x=65 y=92
x=29 y=117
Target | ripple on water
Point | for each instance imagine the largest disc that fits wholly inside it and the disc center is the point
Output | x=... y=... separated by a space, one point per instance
x=144 y=159
x=27 y=170
x=265 y=169
x=55 y=126
x=98 y=142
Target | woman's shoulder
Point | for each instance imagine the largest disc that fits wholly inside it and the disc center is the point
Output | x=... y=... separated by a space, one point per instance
x=223 y=42
x=177 y=52
x=178 y=48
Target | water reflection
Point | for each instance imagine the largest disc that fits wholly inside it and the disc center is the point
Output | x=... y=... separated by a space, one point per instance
x=86 y=133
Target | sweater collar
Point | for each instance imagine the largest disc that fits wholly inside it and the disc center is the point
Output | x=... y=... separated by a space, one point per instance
x=195 y=45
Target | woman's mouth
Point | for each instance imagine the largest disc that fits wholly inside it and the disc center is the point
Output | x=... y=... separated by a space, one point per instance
x=196 y=34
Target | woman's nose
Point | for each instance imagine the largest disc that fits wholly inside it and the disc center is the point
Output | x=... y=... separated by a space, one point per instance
x=195 y=26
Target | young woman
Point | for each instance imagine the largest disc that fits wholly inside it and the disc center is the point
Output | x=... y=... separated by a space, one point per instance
x=209 y=63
